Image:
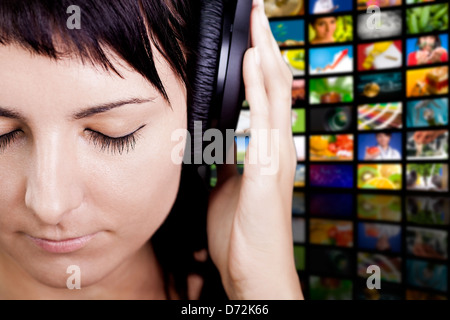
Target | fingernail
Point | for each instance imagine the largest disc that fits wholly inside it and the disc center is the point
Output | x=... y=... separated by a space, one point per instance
x=261 y=3
x=257 y=56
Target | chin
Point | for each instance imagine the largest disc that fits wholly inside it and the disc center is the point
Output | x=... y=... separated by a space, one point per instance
x=53 y=271
x=57 y=275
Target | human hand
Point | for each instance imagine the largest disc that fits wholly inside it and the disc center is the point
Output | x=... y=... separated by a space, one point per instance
x=436 y=54
x=371 y=153
x=424 y=137
x=424 y=250
x=422 y=57
x=250 y=216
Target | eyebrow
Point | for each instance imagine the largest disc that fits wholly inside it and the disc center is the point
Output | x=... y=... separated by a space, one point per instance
x=91 y=111
x=7 y=113
x=85 y=113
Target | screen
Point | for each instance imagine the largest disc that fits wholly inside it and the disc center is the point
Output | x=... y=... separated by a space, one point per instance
x=370 y=125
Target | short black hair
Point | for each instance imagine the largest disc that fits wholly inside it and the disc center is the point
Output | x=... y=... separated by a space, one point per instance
x=40 y=26
x=128 y=27
x=389 y=134
x=436 y=37
x=314 y=20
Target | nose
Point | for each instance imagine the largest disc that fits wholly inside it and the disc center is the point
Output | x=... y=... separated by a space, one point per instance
x=53 y=189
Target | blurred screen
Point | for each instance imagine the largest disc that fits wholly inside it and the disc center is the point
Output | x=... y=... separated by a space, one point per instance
x=369 y=119
x=331 y=119
x=331 y=147
x=380 y=176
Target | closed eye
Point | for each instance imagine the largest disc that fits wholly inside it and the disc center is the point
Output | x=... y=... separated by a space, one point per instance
x=114 y=145
x=7 y=139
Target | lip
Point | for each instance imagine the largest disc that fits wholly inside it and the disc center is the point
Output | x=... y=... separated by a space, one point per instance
x=62 y=246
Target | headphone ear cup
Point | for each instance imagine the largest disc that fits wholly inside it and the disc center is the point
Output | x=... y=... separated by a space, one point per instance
x=209 y=44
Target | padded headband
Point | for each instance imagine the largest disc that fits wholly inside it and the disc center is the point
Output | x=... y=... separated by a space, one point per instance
x=223 y=38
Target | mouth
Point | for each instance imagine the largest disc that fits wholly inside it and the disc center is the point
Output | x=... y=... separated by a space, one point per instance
x=64 y=245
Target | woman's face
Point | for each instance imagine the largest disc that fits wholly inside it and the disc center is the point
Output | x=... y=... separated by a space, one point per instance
x=427 y=42
x=325 y=28
x=383 y=140
x=61 y=179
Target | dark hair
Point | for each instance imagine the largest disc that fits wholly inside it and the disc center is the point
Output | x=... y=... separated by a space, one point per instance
x=127 y=27
x=314 y=20
x=389 y=134
x=437 y=40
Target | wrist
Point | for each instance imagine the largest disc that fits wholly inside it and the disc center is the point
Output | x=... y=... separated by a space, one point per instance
x=276 y=285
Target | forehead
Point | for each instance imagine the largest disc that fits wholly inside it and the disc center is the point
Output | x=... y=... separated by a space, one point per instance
x=28 y=79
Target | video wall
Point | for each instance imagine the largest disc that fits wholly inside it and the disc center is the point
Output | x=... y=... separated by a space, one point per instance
x=370 y=122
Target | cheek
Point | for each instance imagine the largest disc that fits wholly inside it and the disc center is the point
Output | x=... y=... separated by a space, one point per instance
x=136 y=191
x=12 y=192
x=135 y=194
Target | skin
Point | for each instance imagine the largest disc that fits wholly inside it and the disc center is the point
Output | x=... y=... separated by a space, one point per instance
x=324 y=28
x=383 y=243
x=427 y=54
x=428 y=42
x=383 y=141
x=55 y=183
x=425 y=137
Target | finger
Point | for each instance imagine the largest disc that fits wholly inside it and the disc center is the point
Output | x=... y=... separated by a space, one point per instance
x=259 y=108
x=264 y=28
x=255 y=92
x=201 y=255
x=277 y=76
x=262 y=36
x=426 y=137
x=265 y=149
x=278 y=82
x=418 y=136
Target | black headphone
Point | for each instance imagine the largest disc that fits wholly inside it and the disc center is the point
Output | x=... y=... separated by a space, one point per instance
x=223 y=38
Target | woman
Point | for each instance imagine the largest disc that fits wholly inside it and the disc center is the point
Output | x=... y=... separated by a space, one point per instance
x=383 y=151
x=87 y=178
x=430 y=51
x=324 y=29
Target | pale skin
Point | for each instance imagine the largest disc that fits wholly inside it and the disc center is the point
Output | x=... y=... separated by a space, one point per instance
x=56 y=184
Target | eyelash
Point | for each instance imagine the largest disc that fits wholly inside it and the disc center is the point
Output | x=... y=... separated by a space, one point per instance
x=114 y=145
x=7 y=139
x=107 y=144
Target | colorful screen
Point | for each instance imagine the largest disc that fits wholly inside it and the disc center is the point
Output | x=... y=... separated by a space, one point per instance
x=370 y=123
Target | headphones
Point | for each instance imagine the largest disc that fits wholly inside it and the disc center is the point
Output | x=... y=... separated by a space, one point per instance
x=223 y=38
